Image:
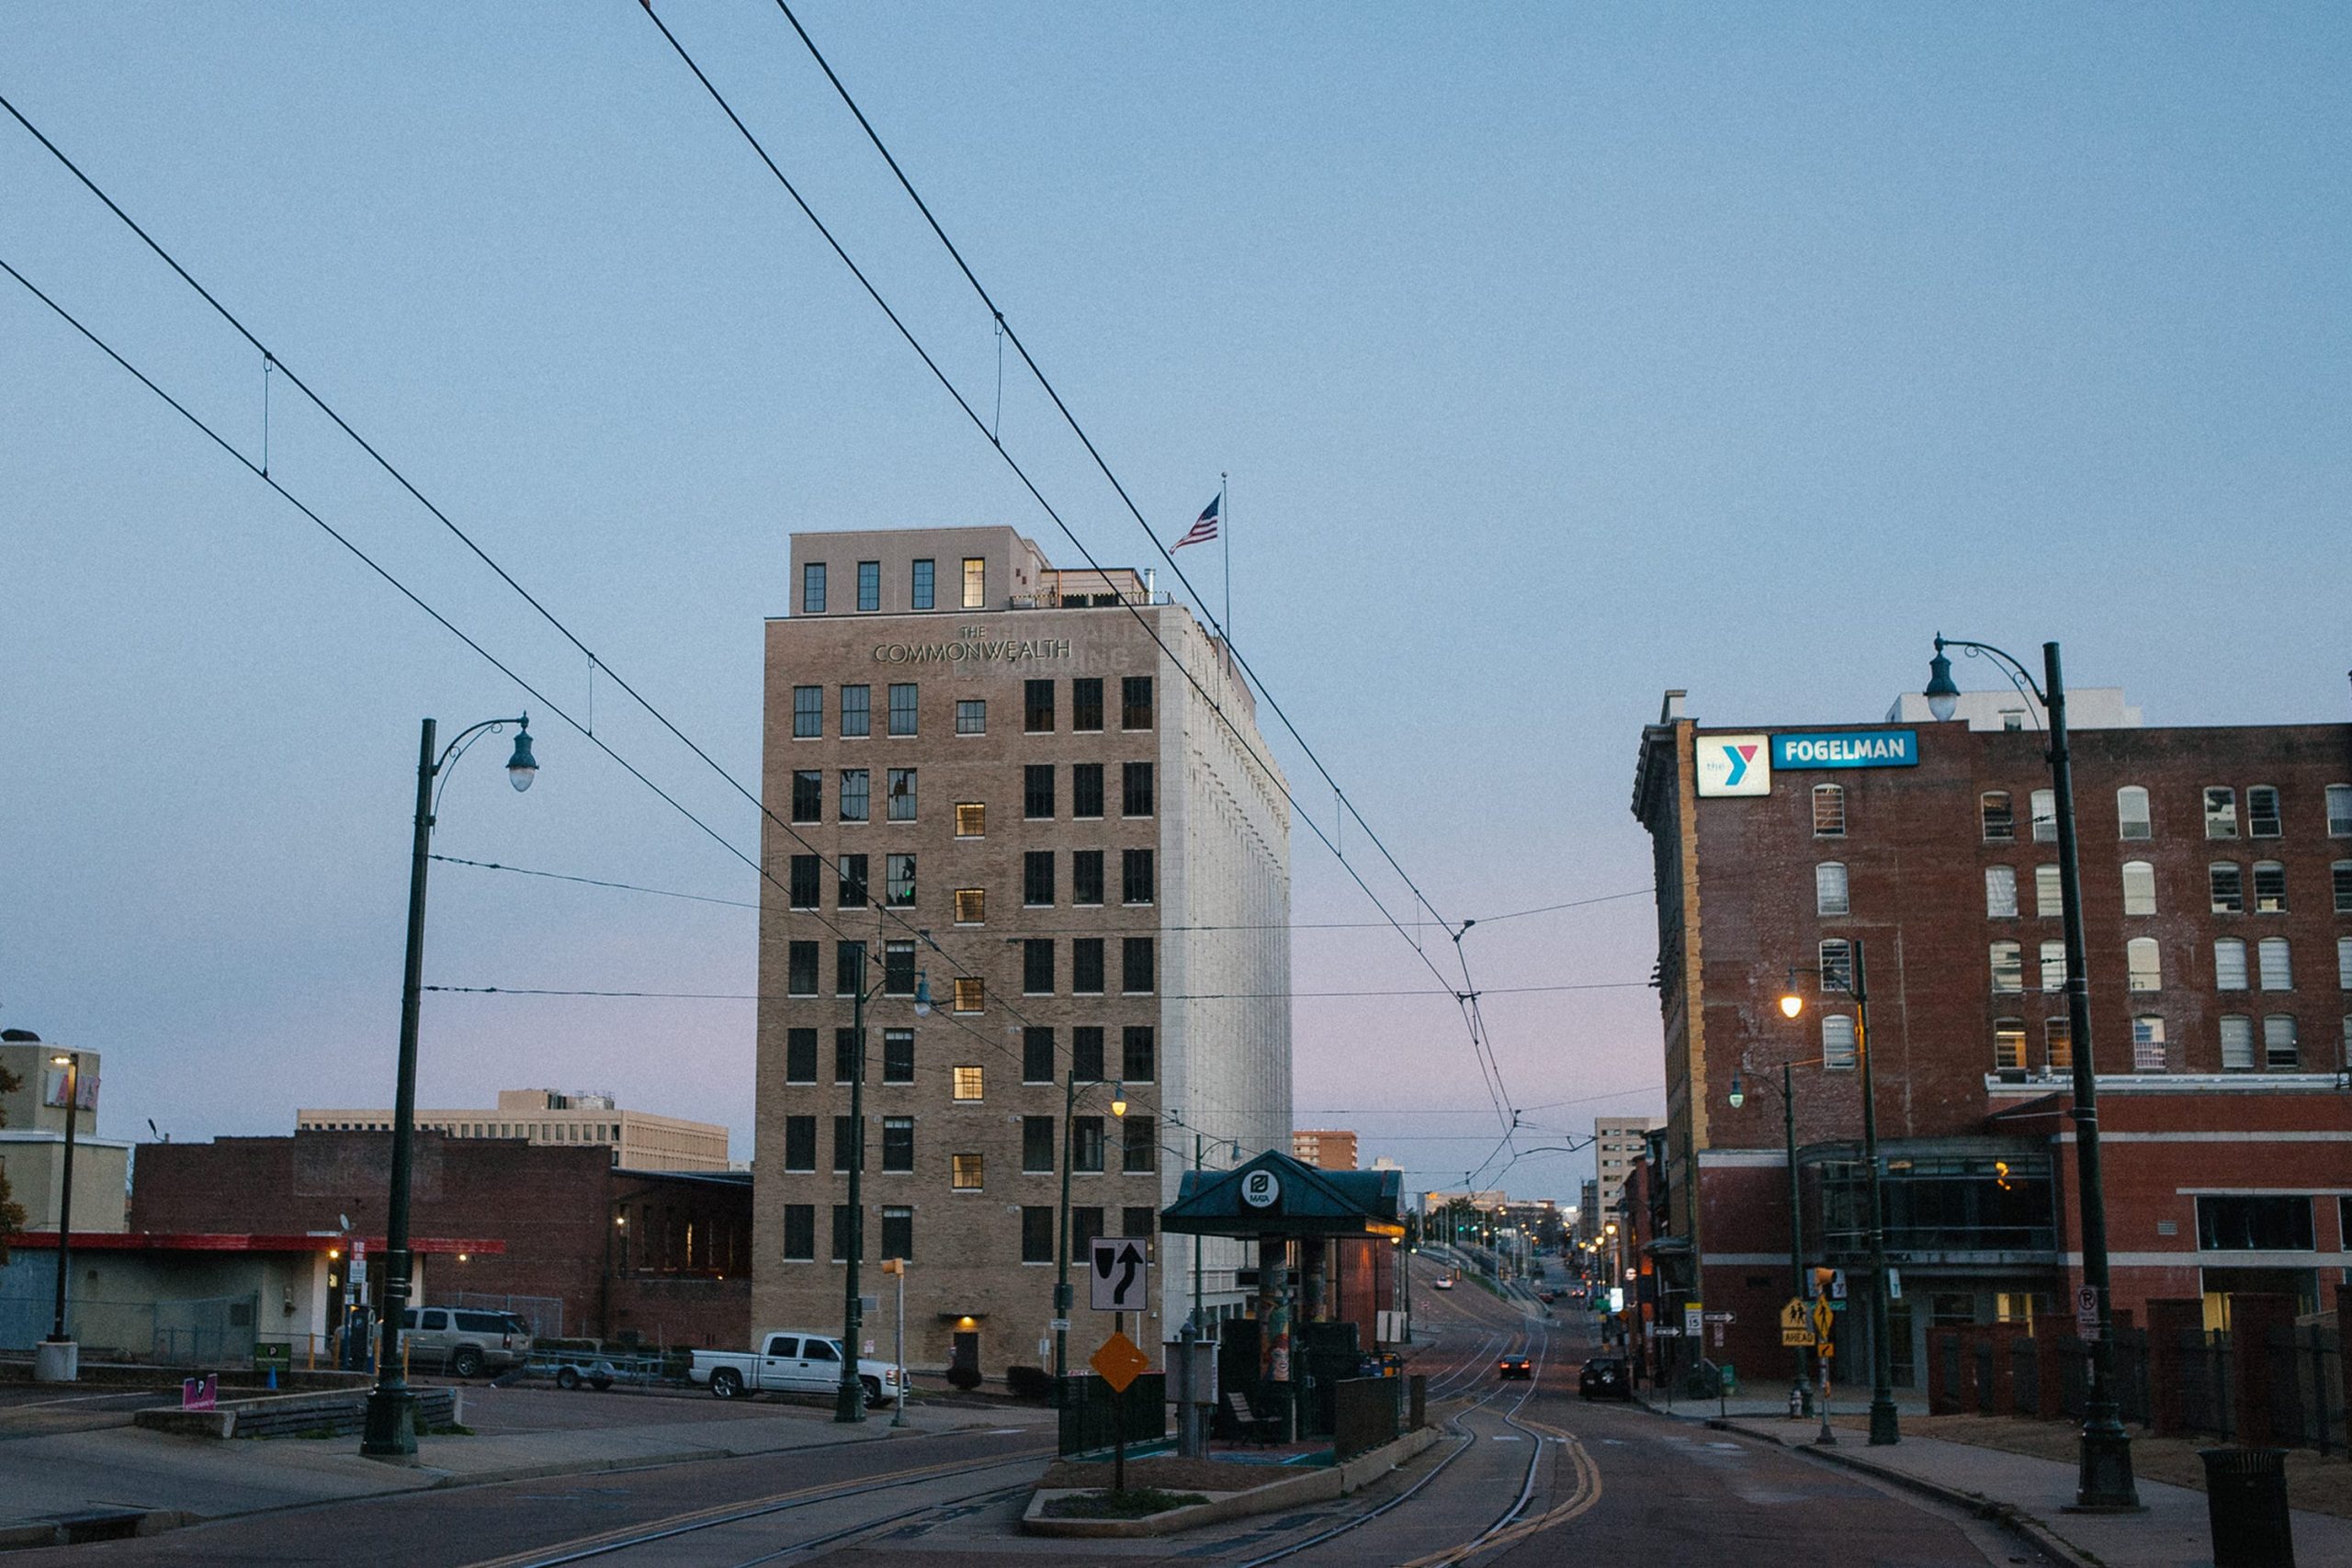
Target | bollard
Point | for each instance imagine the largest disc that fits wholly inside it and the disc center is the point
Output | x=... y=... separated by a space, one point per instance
x=2246 y=1506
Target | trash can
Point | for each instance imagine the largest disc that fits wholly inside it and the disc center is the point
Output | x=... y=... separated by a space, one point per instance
x=2245 y=1502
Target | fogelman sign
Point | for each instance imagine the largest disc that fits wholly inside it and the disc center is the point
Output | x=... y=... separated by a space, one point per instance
x=1847 y=749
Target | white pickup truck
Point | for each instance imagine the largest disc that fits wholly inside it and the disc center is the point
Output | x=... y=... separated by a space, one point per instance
x=789 y=1362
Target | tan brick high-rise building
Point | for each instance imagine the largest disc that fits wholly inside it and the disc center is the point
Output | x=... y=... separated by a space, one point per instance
x=997 y=781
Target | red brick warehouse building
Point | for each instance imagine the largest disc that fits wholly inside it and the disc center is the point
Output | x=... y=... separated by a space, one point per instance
x=2217 y=885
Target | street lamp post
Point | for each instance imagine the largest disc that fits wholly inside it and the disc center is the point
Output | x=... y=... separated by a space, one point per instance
x=72 y=1062
x=1884 y=1429
x=2104 y=1477
x=390 y=1430
x=849 y=1398
x=1800 y=1391
x=1061 y=1271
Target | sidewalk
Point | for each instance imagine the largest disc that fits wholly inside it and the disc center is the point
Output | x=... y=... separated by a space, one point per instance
x=183 y=1480
x=2032 y=1495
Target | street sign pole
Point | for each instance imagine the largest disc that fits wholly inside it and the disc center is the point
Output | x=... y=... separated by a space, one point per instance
x=1119 y=1421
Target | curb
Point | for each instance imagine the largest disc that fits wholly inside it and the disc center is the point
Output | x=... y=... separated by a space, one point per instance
x=2009 y=1515
x=1313 y=1486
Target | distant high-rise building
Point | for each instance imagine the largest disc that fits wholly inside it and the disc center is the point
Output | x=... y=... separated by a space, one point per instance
x=1326 y=1148
x=1617 y=1143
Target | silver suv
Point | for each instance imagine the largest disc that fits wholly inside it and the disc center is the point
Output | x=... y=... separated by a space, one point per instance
x=465 y=1341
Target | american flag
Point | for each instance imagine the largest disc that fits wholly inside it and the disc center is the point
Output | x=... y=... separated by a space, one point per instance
x=1204 y=527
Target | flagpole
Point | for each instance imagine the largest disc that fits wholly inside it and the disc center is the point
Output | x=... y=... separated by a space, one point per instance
x=1225 y=528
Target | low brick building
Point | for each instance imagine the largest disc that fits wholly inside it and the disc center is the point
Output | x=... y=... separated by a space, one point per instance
x=663 y=1254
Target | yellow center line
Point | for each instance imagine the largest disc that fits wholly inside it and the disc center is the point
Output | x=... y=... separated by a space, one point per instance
x=1586 y=1494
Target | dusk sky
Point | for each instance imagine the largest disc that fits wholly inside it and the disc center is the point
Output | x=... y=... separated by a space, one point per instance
x=1558 y=353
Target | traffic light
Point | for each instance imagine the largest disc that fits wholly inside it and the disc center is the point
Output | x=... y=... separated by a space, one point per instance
x=1822 y=1280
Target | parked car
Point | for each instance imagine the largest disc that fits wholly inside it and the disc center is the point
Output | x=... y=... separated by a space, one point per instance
x=1519 y=1366
x=464 y=1341
x=1605 y=1377
x=792 y=1362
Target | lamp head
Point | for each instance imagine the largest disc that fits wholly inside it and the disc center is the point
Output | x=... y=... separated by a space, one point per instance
x=62 y=1059
x=923 y=994
x=1119 y=1098
x=1792 y=1004
x=522 y=767
x=1738 y=1094
x=1943 y=697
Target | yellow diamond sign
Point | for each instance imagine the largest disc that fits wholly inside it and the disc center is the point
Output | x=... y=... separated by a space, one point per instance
x=1120 y=1362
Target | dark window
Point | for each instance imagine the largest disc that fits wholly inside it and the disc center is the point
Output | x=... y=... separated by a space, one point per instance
x=1136 y=882
x=850 y=890
x=1086 y=702
x=1086 y=1053
x=858 y=711
x=847 y=1049
x=801 y=969
x=1137 y=1055
x=1135 y=789
x=1037 y=1143
x=898 y=1143
x=808 y=881
x=1038 y=707
x=1036 y=1233
x=2227 y=879
x=812 y=588
x=898 y=968
x=899 y=881
x=846 y=1142
x=1086 y=877
x=854 y=794
x=898 y=1055
x=845 y=1233
x=1135 y=702
x=1086 y=789
x=800 y=1055
x=1086 y=966
x=1037 y=1054
x=849 y=968
x=808 y=711
x=800 y=1142
x=2253 y=1223
x=902 y=707
x=925 y=576
x=2000 y=817
x=1136 y=965
x=1137 y=1221
x=1037 y=877
x=900 y=799
x=800 y=1233
x=898 y=1233
x=808 y=796
x=2262 y=814
x=1037 y=790
x=1037 y=967
x=1087 y=1143
x=1085 y=1229
x=869 y=585
x=1139 y=1143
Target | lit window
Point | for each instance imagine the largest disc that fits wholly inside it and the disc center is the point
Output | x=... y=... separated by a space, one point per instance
x=2274 y=964
x=808 y=711
x=2262 y=812
x=976 y=582
x=2227 y=879
x=966 y=1172
x=2143 y=966
x=2131 y=813
x=2279 y=1052
x=2045 y=816
x=971 y=716
x=902 y=797
x=2221 y=813
x=2009 y=966
x=869 y=585
x=2148 y=1045
x=2000 y=891
x=2139 y=887
x=971 y=820
x=2048 y=893
x=2008 y=1045
x=2229 y=964
x=924 y=576
x=970 y=1082
x=971 y=909
x=2237 y=1043
x=2053 y=966
x=1837 y=1053
x=812 y=589
x=1829 y=889
x=1999 y=817
x=2269 y=887
x=2339 y=811
x=970 y=995
x=858 y=711
x=1829 y=811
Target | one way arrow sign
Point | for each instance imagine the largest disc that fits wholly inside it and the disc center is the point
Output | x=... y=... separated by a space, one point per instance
x=1118 y=1276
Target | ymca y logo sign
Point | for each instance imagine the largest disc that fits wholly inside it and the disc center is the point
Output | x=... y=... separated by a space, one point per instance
x=1734 y=764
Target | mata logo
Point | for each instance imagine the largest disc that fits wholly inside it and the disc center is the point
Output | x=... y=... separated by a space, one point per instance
x=1735 y=765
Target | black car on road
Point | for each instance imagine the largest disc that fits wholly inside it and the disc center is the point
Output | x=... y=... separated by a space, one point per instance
x=1605 y=1377
x=1515 y=1366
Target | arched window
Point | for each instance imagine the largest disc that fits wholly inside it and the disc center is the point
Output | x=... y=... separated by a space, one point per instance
x=2229 y=964
x=2269 y=887
x=2262 y=817
x=2144 y=963
x=1829 y=889
x=2131 y=813
x=1837 y=1040
x=2000 y=817
x=2045 y=816
x=2275 y=964
x=2139 y=887
x=1829 y=811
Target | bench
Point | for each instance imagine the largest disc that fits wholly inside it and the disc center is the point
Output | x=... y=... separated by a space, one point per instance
x=1263 y=1429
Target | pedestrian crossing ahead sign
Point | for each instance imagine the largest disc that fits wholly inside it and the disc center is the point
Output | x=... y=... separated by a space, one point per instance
x=1796 y=1324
